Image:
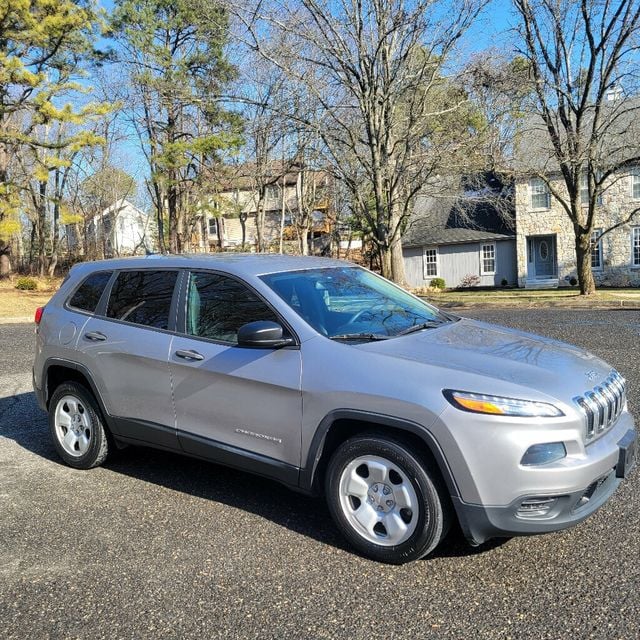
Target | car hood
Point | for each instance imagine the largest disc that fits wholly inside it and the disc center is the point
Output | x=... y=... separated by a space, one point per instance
x=500 y=353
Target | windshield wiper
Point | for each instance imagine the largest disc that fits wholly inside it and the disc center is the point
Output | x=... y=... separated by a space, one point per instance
x=429 y=324
x=360 y=336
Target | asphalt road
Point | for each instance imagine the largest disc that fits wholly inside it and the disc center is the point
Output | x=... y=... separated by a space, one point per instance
x=155 y=545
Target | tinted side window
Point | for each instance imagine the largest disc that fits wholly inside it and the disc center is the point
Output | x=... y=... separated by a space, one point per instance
x=88 y=294
x=143 y=297
x=218 y=306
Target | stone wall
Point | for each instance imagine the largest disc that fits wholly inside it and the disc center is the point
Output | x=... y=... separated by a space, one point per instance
x=617 y=203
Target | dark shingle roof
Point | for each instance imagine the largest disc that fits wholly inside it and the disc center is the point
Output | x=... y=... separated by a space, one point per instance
x=482 y=216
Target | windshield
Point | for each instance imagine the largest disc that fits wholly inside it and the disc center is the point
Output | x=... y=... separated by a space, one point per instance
x=350 y=302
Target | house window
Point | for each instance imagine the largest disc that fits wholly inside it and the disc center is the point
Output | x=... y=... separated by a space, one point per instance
x=488 y=261
x=213 y=227
x=635 y=184
x=635 y=246
x=430 y=262
x=540 y=196
x=596 y=249
x=271 y=192
x=584 y=190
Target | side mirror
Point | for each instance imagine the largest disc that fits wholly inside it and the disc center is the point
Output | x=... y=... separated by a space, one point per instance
x=263 y=334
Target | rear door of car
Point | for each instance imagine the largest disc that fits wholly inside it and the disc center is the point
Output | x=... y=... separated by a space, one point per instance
x=125 y=346
x=238 y=405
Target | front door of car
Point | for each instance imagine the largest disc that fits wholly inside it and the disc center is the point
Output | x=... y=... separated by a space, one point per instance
x=233 y=402
x=126 y=349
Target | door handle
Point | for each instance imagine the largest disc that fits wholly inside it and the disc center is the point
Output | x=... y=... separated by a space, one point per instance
x=188 y=354
x=95 y=336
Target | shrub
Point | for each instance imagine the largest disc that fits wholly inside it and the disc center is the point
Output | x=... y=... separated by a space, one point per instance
x=573 y=281
x=437 y=283
x=617 y=280
x=470 y=280
x=26 y=284
x=504 y=282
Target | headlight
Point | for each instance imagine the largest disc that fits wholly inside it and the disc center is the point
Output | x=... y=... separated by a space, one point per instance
x=497 y=405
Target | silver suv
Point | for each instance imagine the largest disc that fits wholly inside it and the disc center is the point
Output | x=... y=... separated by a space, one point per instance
x=330 y=379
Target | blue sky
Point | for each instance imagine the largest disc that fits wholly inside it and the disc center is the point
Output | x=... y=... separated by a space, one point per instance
x=490 y=30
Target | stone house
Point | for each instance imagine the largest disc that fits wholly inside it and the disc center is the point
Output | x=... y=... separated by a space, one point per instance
x=545 y=239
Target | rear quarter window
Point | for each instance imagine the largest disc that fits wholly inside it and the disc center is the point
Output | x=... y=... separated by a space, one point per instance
x=142 y=297
x=87 y=295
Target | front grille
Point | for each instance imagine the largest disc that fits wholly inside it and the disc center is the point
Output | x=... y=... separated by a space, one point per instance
x=602 y=405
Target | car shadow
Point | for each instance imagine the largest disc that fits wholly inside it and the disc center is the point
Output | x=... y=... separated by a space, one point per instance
x=22 y=421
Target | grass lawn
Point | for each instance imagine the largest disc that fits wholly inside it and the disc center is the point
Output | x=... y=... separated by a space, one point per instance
x=569 y=298
x=23 y=304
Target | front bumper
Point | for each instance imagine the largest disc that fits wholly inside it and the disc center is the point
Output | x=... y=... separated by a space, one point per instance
x=480 y=523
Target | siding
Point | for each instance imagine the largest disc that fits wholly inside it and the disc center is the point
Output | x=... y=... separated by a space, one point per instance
x=458 y=260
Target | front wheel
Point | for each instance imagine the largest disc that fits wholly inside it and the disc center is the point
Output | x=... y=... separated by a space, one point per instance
x=386 y=500
x=76 y=428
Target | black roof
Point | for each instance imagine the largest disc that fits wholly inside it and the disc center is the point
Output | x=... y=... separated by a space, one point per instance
x=473 y=216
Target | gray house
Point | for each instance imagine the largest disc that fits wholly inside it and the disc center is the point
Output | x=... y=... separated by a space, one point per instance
x=453 y=240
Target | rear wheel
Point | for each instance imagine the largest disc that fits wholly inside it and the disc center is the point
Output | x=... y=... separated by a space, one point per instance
x=76 y=428
x=386 y=500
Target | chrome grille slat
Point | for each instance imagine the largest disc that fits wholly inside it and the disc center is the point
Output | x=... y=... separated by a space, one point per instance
x=602 y=405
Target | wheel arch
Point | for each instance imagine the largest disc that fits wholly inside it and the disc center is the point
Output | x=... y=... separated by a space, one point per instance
x=58 y=370
x=338 y=426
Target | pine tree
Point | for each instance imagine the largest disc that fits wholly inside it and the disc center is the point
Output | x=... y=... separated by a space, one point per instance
x=43 y=44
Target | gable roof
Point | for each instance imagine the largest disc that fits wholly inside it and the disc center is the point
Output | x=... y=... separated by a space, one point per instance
x=619 y=138
x=119 y=206
x=472 y=217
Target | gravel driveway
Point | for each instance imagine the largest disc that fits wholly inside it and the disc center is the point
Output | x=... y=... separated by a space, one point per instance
x=158 y=546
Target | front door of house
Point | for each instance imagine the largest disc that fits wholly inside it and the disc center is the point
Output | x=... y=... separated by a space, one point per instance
x=544 y=256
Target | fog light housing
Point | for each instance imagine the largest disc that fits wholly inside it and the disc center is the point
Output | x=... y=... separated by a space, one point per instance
x=536 y=507
x=543 y=453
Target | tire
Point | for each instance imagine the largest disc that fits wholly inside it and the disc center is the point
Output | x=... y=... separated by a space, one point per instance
x=386 y=500
x=78 y=433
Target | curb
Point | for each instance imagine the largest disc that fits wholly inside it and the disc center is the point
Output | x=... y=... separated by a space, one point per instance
x=21 y=320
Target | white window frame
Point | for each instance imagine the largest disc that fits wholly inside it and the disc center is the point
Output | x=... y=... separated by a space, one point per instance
x=483 y=272
x=596 y=233
x=635 y=182
x=534 y=185
x=584 y=187
x=425 y=275
x=635 y=242
x=272 y=192
x=216 y=223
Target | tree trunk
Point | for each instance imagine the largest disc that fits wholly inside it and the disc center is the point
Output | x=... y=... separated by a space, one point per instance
x=42 y=222
x=386 y=264
x=5 y=246
x=397 y=262
x=220 y=230
x=5 y=260
x=302 y=230
x=55 y=239
x=583 y=263
x=260 y=221
x=243 y=225
x=172 y=203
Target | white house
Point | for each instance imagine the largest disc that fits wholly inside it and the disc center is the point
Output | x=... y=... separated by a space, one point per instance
x=123 y=229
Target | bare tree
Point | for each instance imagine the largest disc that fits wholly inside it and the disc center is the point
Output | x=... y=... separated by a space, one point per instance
x=584 y=62
x=375 y=67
